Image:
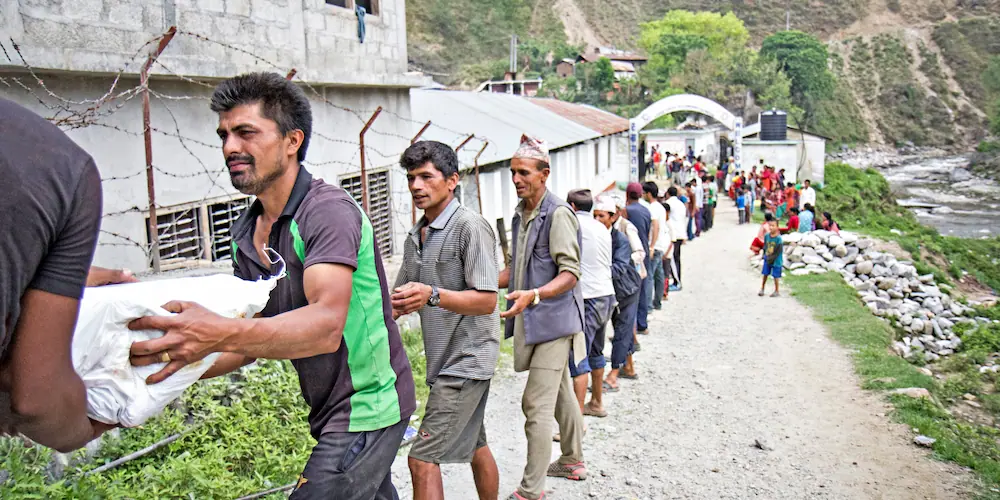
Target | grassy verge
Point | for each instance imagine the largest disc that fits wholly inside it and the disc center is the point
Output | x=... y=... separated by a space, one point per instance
x=835 y=304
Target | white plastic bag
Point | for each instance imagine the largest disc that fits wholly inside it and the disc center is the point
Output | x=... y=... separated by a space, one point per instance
x=117 y=392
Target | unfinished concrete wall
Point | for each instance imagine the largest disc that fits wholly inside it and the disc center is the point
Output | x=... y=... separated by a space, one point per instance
x=319 y=40
x=190 y=169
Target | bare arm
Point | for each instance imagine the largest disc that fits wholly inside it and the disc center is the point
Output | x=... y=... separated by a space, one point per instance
x=412 y=296
x=504 y=279
x=47 y=398
x=654 y=232
x=195 y=332
x=227 y=363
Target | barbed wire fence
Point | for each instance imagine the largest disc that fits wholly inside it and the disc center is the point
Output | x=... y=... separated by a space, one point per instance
x=189 y=204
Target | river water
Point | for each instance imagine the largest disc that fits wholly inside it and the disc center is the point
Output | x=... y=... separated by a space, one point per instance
x=944 y=195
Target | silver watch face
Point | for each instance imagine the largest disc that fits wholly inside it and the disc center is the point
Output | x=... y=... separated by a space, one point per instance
x=434 y=299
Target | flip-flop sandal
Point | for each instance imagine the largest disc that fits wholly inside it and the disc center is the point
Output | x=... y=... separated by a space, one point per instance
x=609 y=388
x=517 y=496
x=587 y=410
x=629 y=377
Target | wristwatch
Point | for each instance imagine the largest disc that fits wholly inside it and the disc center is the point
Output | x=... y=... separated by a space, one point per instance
x=435 y=298
x=538 y=298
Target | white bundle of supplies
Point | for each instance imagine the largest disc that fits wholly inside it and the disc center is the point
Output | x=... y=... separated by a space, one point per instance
x=117 y=392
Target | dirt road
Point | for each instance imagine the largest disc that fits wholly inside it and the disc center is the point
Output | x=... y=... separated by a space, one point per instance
x=722 y=369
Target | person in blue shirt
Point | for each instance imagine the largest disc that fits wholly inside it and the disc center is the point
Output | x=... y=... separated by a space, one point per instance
x=806 y=218
x=741 y=205
x=773 y=258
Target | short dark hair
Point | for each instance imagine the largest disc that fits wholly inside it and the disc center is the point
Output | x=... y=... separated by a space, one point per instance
x=281 y=101
x=768 y=217
x=632 y=195
x=581 y=198
x=808 y=207
x=791 y=185
x=437 y=153
x=672 y=191
x=808 y=181
x=651 y=188
x=794 y=210
x=666 y=206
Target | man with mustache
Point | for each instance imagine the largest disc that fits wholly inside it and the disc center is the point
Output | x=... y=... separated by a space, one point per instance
x=449 y=275
x=545 y=318
x=331 y=315
x=50 y=214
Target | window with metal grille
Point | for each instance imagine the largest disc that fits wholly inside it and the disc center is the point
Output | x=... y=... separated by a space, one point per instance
x=180 y=235
x=200 y=232
x=221 y=217
x=379 y=205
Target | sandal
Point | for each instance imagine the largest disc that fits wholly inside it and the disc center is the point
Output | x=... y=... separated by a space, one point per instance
x=573 y=472
x=634 y=376
x=517 y=496
x=590 y=411
x=609 y=388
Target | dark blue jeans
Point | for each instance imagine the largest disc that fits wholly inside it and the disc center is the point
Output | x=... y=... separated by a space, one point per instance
x=659 y=276
x=645 y=296
x=623 y=320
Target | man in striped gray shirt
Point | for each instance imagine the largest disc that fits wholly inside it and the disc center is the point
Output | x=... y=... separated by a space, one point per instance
x=449 y=274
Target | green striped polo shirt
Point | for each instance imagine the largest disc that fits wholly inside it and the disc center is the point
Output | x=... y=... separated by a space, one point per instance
x=367 y=384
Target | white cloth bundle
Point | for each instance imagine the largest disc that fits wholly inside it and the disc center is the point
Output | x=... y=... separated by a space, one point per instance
x=117 y=392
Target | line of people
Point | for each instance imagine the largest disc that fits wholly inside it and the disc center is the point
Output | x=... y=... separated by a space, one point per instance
x=575 y=266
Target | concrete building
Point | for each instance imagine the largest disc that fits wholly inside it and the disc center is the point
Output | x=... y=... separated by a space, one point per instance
x=802 y=155
x=707 y=142
x=512 y=84
x=77 y=48
x=588 y=146
x=624 y=63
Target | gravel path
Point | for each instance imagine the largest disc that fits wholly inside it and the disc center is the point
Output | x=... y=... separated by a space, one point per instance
x=722 y=369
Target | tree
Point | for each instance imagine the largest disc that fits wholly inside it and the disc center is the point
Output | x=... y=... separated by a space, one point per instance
x=804 y=59
x=599 y=76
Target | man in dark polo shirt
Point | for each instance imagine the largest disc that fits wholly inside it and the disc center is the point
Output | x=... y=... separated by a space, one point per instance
x=331 y=315
x=449 y=274
x=50 y=213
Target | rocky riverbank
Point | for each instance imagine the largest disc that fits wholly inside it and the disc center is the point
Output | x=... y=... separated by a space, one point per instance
x=924 y=312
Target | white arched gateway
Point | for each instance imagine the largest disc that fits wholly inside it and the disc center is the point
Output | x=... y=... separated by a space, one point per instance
x=683 y=102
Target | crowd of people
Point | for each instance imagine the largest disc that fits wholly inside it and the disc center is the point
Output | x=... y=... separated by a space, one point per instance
x=575 y=266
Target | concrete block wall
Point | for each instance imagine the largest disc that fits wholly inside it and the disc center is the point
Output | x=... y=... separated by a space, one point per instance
x=181 y=177
x=317 y=39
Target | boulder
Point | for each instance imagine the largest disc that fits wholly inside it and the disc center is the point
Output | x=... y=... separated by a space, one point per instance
x=795 y=257
x=880 y=270
x=834 y=241
x=929 y=357
x=840 y=250
x=957 y=309
x=906 y=319
x=827 y=255
x=914 y=392
x=823 y=235
x=886 y=284
x=865 y=267
x=917 y=325
x=813 y=260
x=864 y=243
x=928 y=328
x=836 y=264
x=938 y=331
x=792 y=238
x=956 y=175
x=814 y=269
x=796 y=265
x=927 y=278
x=896 y=294
x=811 y=240
x=864 y=286
x=849 y=237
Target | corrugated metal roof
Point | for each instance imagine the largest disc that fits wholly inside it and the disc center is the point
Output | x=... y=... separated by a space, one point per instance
x=499 y=118
x=622 y=66
x=588 y=116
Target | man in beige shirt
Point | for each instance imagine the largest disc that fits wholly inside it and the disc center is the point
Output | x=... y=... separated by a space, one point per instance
x=545 y=319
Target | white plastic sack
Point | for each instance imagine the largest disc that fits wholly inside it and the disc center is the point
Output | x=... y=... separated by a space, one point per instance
x=117 y=392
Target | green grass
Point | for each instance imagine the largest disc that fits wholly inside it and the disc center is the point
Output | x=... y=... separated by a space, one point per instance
x=836 y=305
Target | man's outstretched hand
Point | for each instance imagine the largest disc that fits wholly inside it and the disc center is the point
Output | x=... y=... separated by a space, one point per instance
x=99 y=276
x=521 y=300
x=191 y=334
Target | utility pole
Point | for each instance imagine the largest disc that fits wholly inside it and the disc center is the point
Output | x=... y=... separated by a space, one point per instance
x=513 y=54
x=788 y=17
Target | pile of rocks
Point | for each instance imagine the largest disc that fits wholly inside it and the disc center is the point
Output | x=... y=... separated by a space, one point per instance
x=891 y=289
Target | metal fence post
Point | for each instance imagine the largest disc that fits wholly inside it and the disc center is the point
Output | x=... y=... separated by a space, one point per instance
x=147 y=135
x=364 y=170
x=291 y=74
x=466 y=141
x=413 y=208
x=479 y=192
